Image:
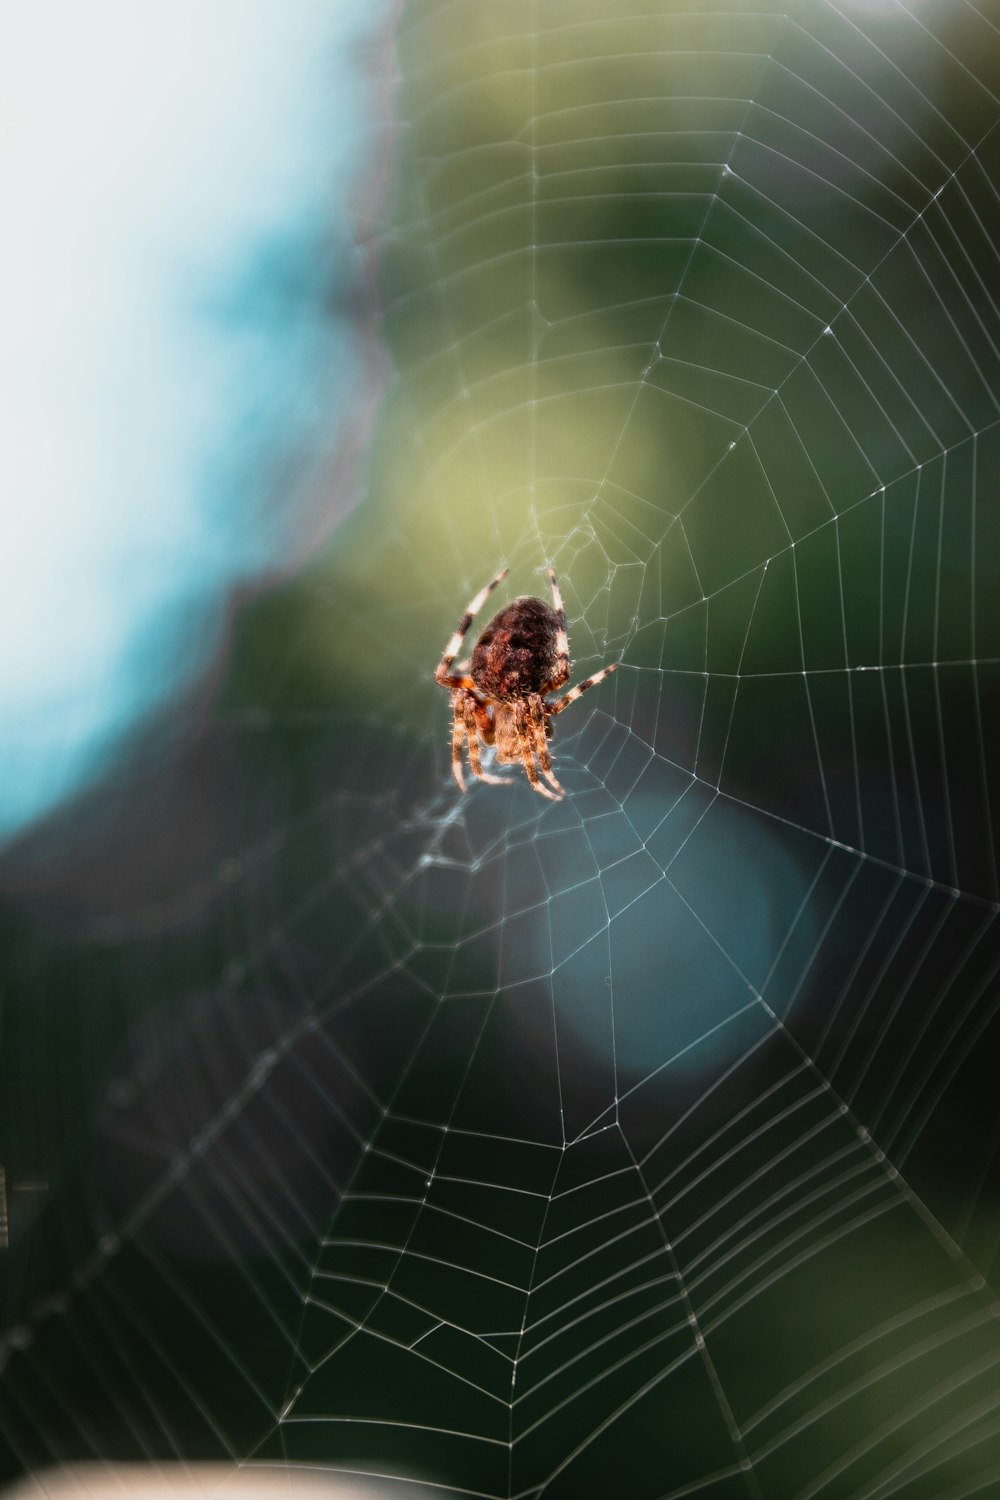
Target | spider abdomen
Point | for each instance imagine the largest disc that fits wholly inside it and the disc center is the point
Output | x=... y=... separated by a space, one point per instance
x=516 y=654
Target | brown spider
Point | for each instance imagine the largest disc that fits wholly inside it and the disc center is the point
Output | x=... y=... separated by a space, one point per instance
x=521 y=655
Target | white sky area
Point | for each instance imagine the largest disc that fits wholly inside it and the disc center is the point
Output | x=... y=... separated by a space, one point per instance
x=174 y=176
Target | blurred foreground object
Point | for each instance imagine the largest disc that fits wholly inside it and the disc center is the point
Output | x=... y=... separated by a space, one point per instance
x=182 y=287
x=201 y=1482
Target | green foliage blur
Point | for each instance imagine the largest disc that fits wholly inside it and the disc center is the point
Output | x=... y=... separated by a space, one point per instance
x=612 y=273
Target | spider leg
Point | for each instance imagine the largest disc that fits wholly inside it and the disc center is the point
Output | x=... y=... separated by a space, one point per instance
x=581 y=687
x=484 y=721
x=561 y=673
x=470 y=705
x=458 y=733
x=524 y=738
x=541 y=749
x=443 y=675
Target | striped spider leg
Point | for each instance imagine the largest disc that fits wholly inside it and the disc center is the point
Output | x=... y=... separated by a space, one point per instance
x=471 y=721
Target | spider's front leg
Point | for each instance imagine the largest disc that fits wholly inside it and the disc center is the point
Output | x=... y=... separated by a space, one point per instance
x=458 y=734
x=476 y=719
x=539 y=724
x=527 y=745
x=471 y=722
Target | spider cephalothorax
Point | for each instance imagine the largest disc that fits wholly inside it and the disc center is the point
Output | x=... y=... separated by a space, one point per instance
x=521 y=655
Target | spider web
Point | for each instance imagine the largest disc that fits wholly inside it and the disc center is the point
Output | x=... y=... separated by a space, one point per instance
x=644 y=1143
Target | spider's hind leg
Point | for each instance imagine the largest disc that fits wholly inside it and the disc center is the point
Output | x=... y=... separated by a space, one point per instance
x=444 y=674
x=581 y=687
x=560 y=673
